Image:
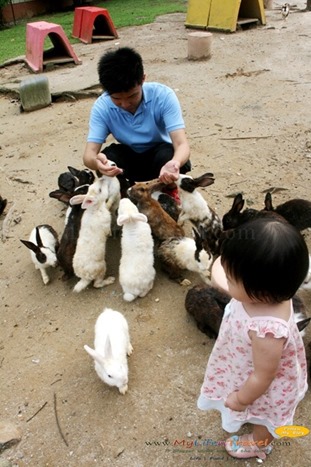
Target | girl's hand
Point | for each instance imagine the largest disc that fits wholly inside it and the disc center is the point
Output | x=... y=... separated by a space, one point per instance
x=233 y=403
x=105 y=168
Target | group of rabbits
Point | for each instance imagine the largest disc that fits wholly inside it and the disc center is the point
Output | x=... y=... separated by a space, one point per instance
x=152 y=224
x=149 y=223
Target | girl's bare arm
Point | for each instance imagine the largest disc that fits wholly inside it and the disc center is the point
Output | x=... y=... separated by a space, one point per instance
x=267 y=352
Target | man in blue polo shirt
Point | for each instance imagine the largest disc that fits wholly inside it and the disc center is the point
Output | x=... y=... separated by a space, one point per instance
x=144 y=118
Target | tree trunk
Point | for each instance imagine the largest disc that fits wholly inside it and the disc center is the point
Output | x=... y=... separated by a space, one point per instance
x=309 y=5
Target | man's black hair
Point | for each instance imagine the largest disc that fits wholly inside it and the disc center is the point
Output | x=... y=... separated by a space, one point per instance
x=120 y=70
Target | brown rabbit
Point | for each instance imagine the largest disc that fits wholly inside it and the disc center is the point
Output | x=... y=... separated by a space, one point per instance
x=161 y=223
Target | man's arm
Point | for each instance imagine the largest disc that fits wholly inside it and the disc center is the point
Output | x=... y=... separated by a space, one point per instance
x=170 y=171
x=95 y=160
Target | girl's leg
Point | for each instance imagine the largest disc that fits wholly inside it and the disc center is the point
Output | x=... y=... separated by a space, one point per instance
x=261 y=433
x=255 y=444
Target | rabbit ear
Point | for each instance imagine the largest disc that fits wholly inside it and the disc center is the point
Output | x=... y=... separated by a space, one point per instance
x=87 y=202
x=303 y=324
x=238 y=203
x=77 y=199
x=206 y=179
x=61 y=195
x=31 y=246
x=268 y=202
x=73 y=171
x=139 y=216
x=95 y=355
x=124 y=218
x=38 y=238
x=108 y=348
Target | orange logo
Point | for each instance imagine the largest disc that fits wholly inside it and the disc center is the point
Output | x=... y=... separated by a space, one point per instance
x=292 y=431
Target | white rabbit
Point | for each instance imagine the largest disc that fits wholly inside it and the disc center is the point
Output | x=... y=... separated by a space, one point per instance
x=136 y=271
x=111 y=347
x=184 y=253
x=195 y=209
x=89 y=263
x=43 y=243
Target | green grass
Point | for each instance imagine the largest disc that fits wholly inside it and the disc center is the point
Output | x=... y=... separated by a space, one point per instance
x=123 y=13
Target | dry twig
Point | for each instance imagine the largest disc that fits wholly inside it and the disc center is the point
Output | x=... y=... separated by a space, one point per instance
x=57 y=421
x=246 y=137
x=36 y=413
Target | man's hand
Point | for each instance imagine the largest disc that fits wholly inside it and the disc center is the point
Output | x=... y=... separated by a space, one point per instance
x=170 y=172
x=105 y=168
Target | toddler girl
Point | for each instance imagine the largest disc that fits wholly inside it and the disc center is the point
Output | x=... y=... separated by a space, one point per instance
x=257 y=372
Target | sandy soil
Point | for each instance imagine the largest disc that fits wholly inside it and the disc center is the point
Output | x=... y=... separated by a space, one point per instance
x=248 y=117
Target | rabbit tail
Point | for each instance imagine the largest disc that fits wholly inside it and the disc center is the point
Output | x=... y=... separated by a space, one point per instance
x=129 y=297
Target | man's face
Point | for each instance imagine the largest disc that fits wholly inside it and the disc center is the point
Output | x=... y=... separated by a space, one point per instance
x=128 y=100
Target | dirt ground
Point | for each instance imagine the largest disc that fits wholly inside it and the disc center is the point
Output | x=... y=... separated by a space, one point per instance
x=247 y=112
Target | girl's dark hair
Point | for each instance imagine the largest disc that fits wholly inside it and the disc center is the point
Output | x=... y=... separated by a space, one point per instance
x=120 y=70
x=269 y=257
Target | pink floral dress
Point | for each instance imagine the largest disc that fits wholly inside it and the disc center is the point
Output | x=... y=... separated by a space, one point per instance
x=230 y=364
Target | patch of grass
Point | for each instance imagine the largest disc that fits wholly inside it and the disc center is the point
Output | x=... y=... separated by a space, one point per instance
x=123 y=13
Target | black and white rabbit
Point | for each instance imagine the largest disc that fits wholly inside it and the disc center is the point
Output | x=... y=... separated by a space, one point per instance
x=195 y=209
x=184 y=253
x=43 y=244
x=168 y=203
x=69 y=238
x=69 y=181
